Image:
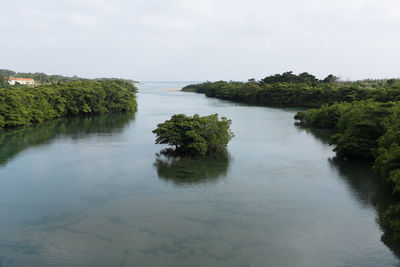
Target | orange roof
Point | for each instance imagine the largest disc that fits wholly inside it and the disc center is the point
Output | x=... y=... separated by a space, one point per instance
x=21 y=79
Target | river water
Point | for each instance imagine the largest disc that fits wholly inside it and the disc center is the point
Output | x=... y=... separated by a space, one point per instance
x=94 y=191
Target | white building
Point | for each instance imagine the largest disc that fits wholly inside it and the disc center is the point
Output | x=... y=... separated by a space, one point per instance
x=24 y=81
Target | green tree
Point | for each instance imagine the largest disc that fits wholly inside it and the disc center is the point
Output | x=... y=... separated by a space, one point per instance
x=195 y=135
x=3 y=81
x=361 y=126
x=390 y=220
x=7 y=73
x=330 y=79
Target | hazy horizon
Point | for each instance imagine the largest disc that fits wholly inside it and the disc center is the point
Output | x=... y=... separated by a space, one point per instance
x=187 y=40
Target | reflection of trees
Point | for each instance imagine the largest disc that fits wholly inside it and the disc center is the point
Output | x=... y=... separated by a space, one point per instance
x=324 y=135
x=188 y=170
x=15 y=140
x=367 y=188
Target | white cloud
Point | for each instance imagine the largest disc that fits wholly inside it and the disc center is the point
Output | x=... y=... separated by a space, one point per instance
x=162 y=23
x=197 y=6
x=204 y=39
x=84 y=21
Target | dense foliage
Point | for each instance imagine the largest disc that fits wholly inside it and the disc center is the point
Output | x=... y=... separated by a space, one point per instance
x=289 y=77
x=38 y=76
x=302 y=90
x=3 y=81
x=7 y=73
x=24 y=105
x=363 y=126
x=195 y=135
x=43 y=78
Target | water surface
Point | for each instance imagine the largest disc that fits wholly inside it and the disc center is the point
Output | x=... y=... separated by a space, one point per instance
x=94 y=191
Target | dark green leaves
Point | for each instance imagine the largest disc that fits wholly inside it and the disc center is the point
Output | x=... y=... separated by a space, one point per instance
x=24 y=105
x=195 y=135
x=302 y=90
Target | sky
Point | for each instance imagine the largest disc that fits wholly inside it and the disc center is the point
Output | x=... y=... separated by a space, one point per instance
x=195 y=40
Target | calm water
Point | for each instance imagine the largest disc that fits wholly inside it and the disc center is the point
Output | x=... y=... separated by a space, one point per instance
x=93 y=192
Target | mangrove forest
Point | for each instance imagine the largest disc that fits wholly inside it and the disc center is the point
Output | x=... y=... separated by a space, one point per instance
x=22 y=105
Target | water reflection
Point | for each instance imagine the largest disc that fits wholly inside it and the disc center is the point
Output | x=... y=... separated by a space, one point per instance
x=15 y=140
x=186 y=170
x=365 y=186
x=323 y=135
x=369 y=190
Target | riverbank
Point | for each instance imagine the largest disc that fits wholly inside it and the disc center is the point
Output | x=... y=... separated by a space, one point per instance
x=299 y=94
x=26 y=105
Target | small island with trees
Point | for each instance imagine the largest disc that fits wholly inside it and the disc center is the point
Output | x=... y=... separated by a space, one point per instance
x=195 y=135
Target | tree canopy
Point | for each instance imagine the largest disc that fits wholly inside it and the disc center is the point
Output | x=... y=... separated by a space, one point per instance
x=195 y=135
x=302 y=90
x=43 y=78
x=25 y=105
x=290 y=77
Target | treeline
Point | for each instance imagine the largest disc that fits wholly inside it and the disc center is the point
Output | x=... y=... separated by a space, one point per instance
x=366 y=130
x=39 y=77
x=24 y=105
x=290 y=77
x=43 y=78
x=302 y=90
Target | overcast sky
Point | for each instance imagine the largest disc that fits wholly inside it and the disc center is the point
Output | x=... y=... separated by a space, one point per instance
x=201 y=39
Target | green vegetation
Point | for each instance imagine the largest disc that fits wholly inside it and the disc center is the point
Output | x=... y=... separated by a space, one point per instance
x=302 y=90
x=42 y=78
x=195 y=135
x=7 y=73
x=289 y=77
x=365 y=129
x=3 y=81
x=390 y=220
x=25 y=105
x=327 y=116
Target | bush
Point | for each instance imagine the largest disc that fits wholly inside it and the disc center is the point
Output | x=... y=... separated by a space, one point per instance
x=327 y=116
x=390 y=220
x=195 y=135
